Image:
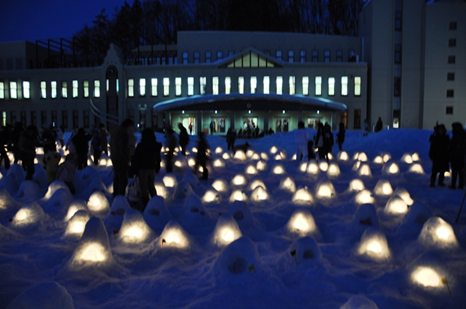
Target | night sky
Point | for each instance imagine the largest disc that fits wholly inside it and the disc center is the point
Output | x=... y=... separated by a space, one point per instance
x=28 y=20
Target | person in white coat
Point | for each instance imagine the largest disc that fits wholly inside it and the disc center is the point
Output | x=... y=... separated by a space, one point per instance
x=301 y=136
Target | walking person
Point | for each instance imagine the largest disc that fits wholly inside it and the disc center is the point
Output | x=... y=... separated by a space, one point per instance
x=201 y=157
x=120 y=155
x=28 y=141
x=183 y=137
x=319 y=140
x=341 y=136
x=301 y=137
x=103 y=133
x=231 y=138
x=378 y=125
x=5 y=141
x=457 y=151
x=438 y=154
x=81 y=144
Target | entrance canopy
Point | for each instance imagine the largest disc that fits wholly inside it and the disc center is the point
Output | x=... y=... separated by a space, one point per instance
x=249 y=101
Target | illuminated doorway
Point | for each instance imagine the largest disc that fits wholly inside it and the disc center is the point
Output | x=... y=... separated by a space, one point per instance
x=313 y=122
x=190 y=124
x=282 y=125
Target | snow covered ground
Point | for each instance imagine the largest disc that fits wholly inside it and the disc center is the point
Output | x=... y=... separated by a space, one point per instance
x=262 y=232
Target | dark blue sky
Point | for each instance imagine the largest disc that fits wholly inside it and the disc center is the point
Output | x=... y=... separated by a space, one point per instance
x=49 y=19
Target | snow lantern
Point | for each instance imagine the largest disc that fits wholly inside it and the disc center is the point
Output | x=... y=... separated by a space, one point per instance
x=169 y=181
x=256 y=156
x=378 y=160
x=383 y=187
x=427 y=277
x=273 y=150
x=396 y=206
x=28 y=191
x=156 y=213
x=323 y=166
x=174 y=236
x=179 y=163
x=161 y=190
x=287 y=184
x=77 y=223
x=364 y=197
x=249 y=153
x=342 y=156
x=191 y=179
x=226 y=156
x=302 y=196
x=194 y=150
x=362 y=157
x=59 y=202
x=355 y=156
x=219 y=163
x=386 y=157
x=325 y=190
x=359 y=301
x=305 y=251
x=256 y=183
x=392 y=169
x=120 y=205
x=261 y=165
x=7 y=202
x=312 y=168
x=406 y=158
x=333 y=170
x=238 y=195
x=211 y=196
x=183 y=190
x=259 y=194
x=365 y=216
x=191 y=162
x=301 y=222
x=29 y=214
x=356 y=165
x=437 y=233
x=251 y=170
x=374 y=244
x=415 y=157
x=239 y=180
x=103 y=162
x=98 y=204
x=356 y=185
x=43 y=295
x=221 y=185
x=240 y=155
x=54 y=186
x=404 y=194
x=264 y=156
x=302 y=167
x=218 y=150
x=226 y=231
x=134 y=229
x=278 y=157
x=364 y=170
x=416 y=169
x=278 y=169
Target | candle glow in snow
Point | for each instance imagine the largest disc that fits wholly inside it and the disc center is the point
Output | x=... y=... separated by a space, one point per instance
x=302 y=196
x=191 y=162
x=98 y=203
x=211 y=196
x=364 y=197
x=365 y=170
x=259 y=194
x=238 y=195
x=325 y=190
x=77 y=223
x=169 y=181
x=396 y=206
x=342 y=156
x=239 y=180
x=415 y=157
x=278 y=169
x=133 y=228
x=301 y=222
x=226 y=156
x=264 y=156
x=383 y=187
x=378 y=160
x=302 y=167
x=356 y=185
x=220 y=185
x=287 y=184
x=273 y=150
x=226 y=231
x=362 y=157
x=251 y=170
x=240 y=155
x=323 y=166
x=261 y=165
x=406 y=158
x=161 y=190
x=256 y=183
x=218 y=150
x=74 y=207
x=416 y=168
x=427 y=277
x=173 y=235
x=312 y=168
x=393 y=169
x=437 y=232
x=218 y=163
x=333 y=170
x=374 y=244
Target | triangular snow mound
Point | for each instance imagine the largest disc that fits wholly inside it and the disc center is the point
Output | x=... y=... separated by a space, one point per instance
x=404 y=194
x=261 y=165
x=391 y=169
x=183 y=190
x=256 y=182
x=43 y=295
x=174 y=236
x=303 y=197
x=59 y=202
x=278 y=169
x=169 y=180
x=287 y=184
x=416 y=169
x=94 y=248
x=313 y=168
x=98 y=204
x=239 y=258
x=418 y=213
x=120 y=205
x=302 y=223
x=221 y=186
x=95 y=184
x=374 y=245
x=333 y=170
x=359 y=302
x=364 y=170
x=305 y=252
x=134 y=230
x=240 y=155
x=211 y=196
x=29 y=191
x=259 y=194
x=53 y=187
x=30 y=214
x=74 y=207
x=383 y=188
x=251 y=170
x=194 y=209
x=162 y=190
x=226 y=231
x=9 y=184
x=325 y=190
x=88 y=175
x=429 y=272
x=343 y=156
x=239 y=181
x=356 y=185
x=240 y=211
x=238 y=195
x=396 y=206
x=77 y=224
x=364 y=197
x=40 y=177
x=365 y=216
x=7 y=203
x=192 y=180
x=438 y=234
x=219 y=162
x=17 y=173
x=156 y=212
x=407 y=158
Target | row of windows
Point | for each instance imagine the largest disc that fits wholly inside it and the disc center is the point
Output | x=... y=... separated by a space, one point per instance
x=242 y=84
x=397 y=85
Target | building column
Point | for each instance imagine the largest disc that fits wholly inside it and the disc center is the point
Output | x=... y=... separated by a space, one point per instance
x=199 y=122
x=232 y=120
x=266 y=122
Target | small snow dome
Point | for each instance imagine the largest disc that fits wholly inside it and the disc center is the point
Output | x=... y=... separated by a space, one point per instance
x=416 y=169
x=134 y=229
x=161 y=190
x=211 y=196
x=226 y=156
x=256 y=156
x=259 y=194
x=362 y=157
x=364 y=170
x=261 y=165
x=356 y=185
x=59 y=202
x=406 y=158
x=273 y=150
x=77 y=224
x=391 y=169
x=374 y=244
x=427 y=277
x=250 y=170
x=264 y=156
x=396 y=206
x=287 y=184
x=249 y=153
x=428 y=272
x=366 y=215
x=218 y=150
x=342 y=156
x=301 y=222
x=29 y=214
x=98 y=204
x=364 y=197
x=359 y=302
x=302 y=197
x=383 y=188
x=278 y=157
x=312 y=168
x=174 y=236
x=239 y=180
x=169 y=181
x=43 y=295
x=386 y=157
x=378 y=160
x=278 y=169
x=302 y=167
x=404 y=194
x=240 y=155
x=119 y=205
x=221 y=185
x=437 y=233
x=305 y=251
x=356 y=165
x=256 y=183
x=191 y=162
x=7 y=203
x=356 y=156
x=333 y=170
x=226 y=231
x=74 y=207
x=29 y=191
x=415 y=157
x=54 y=186
x=183 y=190
x=238 y=195
x=323 y=166
x=191 y=179
x=218 y=163
x=325 y=190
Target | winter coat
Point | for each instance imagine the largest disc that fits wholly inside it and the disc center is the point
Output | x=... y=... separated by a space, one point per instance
x=103 y=133
x=147 y=156
x=231 y=135
x=438 y=152
x=341 y=136
x=457 y=146
x=66 y=171
x=119 y=145
x=184 y=137
x=81 y=142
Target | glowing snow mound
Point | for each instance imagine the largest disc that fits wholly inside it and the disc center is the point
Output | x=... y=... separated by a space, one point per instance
x=415 y=157
x=94 y=248
x=359 y=302
x=364 y=197
x=313 y=168
x=364 y=170
x=29 y=191
x=156 y=213
x=221 y=185
x=391 y=169
x=183 y=190
x=219 y=163
x=120 y=205
x=287 y=184
x=374 y=244
x=278 y=169
x=416 y=169
x=28 y=215
x=174 y=236
x=7 y=202
x=342 y=156
x=323 y=166
x=98 y=204
x=226 y=156
x=356 y=165
x=259 y=194
x=226 y=231
x=383 y=188
x=404 y=194
x=261 y=165
x=406 y=158
x=170 y=181
x=396 y=206
x=264 y=156
x=238 y=195
x=77 y=224
x=362 y=157
x=240 y=155
x=54 y=186
x=378 y=160
x=218 y=150
x=325 y=190
x=301 y=223
x=239 y=181
x=302 y=197
x=59 y=202
x=162 y=190
x=333 y=170
x=256 y=182
x=302 y=167
x=428 y=272
x=74 y=207
x=356 y=185
x=43 y=295
x=366 y=215
x=211 y=196
x=305 y=252
x=250 y=170
x=191 y=179
x=273 y=150
x=437 y=233
x=134 y=230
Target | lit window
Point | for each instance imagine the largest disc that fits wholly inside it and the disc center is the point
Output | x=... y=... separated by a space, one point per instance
x=279 y=54
x=53 y=86
x=215 y=85
x=318 y=82
x=241 y=84
x=190 y=85
x=96 y=88
x=64 y=89
x=327 y=55
x=303 y=56
x=130 y=87
x=166 y=86
x=13 y=90
x=227 y=85
x=26 y=90
x=202 y=84
x=339 y=55
x=279 y=82
x=142 y=87
x=331 y=86
x=43 y=90
x=315 y=55
x=219 y=55
x=305 y=85
x=253 y=84
x=153 y=87
x=185 y=58
x=266 y=84
x=292 y=82
x=2 y=90
x=290 y=56
x=196 y=57
x=86 y=91
x=357 y=85
x=178 y=86
x=208 y=56
x=75 y=88
x=344 y=85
